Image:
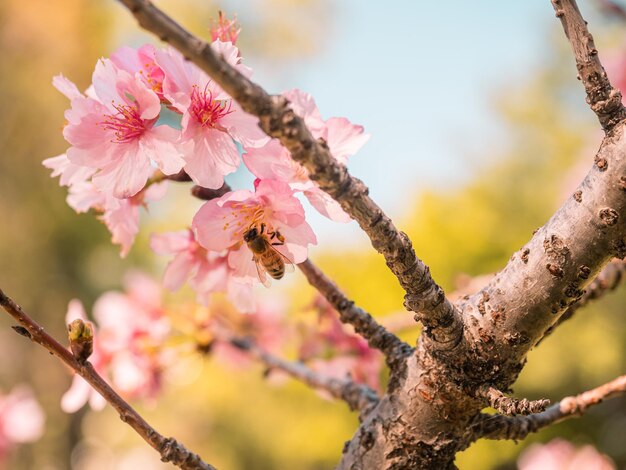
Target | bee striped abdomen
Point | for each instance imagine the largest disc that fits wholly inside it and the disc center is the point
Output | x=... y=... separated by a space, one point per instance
x=274 y=266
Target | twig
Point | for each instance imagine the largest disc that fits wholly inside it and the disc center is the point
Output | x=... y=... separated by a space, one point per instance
x=170 y=450
x=442 y=321
x=603 y=99
x=518 y=427
x=357 y=396
x=509 y=405
x=364 y=324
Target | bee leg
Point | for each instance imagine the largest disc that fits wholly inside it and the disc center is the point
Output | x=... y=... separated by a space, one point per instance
x=262 y=228
x=276 y=235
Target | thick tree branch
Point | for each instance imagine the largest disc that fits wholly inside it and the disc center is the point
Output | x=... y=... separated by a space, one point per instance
x=357 y=396
x=377 y=336
x=441 y=320
x=518 y=427
x=603 y=99
x=608 y=280
x=509 y=405
x=170 y=450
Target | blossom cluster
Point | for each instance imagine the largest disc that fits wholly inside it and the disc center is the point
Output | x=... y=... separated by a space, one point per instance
x=150 y=116
x=128 y=348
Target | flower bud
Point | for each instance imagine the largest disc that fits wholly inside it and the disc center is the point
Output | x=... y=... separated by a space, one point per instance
x=80 y=334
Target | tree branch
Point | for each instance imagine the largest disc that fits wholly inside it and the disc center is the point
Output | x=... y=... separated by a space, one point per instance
x=170 y=450
x=607 y=281
x=442 y=321
x=509 y=405
x=357 y=396
x=603 y=99
x=364 y=324
x=518 y=427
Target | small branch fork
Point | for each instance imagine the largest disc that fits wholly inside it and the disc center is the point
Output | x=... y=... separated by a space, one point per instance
x=518 y=427
x=357 y=396
x=603 y=99
x=441 y=320
x=170 y=450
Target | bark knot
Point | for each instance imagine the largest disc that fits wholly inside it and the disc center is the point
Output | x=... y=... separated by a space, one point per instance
x=608 y=216
x=601 y=163
x=578 y=196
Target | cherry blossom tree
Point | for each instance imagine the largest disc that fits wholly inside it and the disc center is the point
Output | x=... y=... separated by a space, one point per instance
x=123 y=154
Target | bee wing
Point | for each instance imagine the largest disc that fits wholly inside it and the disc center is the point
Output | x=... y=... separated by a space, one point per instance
x=286 y=260
x=260 y=270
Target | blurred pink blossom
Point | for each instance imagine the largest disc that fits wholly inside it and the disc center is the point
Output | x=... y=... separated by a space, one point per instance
x=132 y=328
x=559 y=454
x=21 y=419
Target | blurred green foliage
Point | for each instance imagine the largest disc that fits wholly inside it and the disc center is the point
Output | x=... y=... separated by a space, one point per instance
x=234 y=417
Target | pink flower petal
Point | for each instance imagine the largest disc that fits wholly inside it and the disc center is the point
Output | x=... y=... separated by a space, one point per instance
x=213 y=228
x=326 y=205
x=344 y=138
x=178 y=270
x=127 y=174
x=214 y=156
x=171 y=242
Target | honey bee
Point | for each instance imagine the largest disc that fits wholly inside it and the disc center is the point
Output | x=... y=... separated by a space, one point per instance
x=268 y=260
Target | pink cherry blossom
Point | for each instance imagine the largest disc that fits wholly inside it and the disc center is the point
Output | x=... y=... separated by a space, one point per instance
x=115 y=132
x=211 y=120
x=141 y=61
x=220 y=224
x=559 y=454
x=342 y=137
x=208 y=272
x=274 y=161
x=225 y=30
x=21 y=419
